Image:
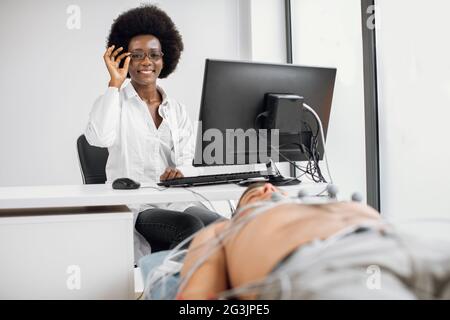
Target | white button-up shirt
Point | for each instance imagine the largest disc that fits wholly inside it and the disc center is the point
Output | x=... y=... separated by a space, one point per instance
x=120 y=121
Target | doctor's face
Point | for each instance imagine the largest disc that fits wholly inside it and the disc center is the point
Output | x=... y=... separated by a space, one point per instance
x=146 y=59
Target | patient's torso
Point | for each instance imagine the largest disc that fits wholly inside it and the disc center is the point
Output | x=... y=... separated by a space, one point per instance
x=255 y=250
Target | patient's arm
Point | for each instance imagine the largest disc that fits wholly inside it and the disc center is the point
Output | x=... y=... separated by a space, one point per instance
x=211 y=277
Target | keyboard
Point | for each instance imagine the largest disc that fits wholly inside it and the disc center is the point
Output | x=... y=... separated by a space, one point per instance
x=212 y=179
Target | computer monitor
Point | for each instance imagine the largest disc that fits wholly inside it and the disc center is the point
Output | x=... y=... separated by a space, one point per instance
x=235 y=95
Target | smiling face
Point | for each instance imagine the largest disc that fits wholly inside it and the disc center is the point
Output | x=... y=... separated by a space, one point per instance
x=144 y=72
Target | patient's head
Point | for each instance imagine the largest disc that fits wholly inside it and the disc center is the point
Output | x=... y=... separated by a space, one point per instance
x=259 y=191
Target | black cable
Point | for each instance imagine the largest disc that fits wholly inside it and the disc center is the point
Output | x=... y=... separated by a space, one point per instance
x=314 y=155
x=291 y=162
x=310 y=172
x=312 y=167
x=287 y=159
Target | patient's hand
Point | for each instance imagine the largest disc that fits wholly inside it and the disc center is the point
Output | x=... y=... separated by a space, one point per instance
x=171 y=173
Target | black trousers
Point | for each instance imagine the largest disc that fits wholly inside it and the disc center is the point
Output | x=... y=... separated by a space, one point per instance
x=164 y=229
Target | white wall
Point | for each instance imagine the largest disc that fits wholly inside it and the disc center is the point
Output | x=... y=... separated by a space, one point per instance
x=51 y=75
x=328 y=33
x=267 y=41
x=414 y=97
x=268 y=36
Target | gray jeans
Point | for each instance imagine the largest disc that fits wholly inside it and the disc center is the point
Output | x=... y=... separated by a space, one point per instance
x=365 y=265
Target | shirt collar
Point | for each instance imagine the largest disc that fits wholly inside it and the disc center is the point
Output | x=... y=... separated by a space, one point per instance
x=130 y=92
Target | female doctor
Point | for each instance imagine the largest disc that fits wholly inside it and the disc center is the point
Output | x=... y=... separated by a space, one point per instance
x=148 y=134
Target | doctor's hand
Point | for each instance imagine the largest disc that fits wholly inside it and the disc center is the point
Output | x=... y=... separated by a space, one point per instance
x=171 y=173
x=112 y=61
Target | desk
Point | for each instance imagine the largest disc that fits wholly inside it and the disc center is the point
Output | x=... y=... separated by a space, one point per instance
x=76 y=241
x=104 y=195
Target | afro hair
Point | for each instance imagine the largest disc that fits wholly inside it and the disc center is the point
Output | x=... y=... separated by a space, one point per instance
x=144 y=20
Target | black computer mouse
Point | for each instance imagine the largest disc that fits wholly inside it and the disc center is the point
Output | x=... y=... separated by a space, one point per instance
x=125 y=184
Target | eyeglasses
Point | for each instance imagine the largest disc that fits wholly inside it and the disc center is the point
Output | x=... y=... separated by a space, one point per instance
x=154 y=56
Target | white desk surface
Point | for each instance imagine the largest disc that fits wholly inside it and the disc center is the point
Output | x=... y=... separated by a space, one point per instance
x=104 y=195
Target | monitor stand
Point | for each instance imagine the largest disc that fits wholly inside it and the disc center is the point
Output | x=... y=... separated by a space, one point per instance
x=279 y=181
x=276 y=178
x=283 y=181
x=273 y=177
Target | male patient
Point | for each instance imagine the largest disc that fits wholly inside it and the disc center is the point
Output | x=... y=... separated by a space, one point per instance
x=287 y=250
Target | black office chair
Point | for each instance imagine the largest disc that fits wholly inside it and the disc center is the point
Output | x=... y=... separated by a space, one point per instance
x=92 y=161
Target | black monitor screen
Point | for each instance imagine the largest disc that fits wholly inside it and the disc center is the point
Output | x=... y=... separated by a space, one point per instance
x=234 y=95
